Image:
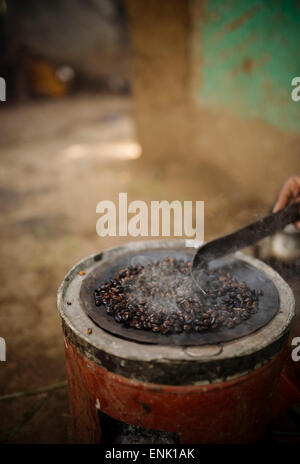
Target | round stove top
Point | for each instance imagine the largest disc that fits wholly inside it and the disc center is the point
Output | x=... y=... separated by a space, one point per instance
x=242 y=270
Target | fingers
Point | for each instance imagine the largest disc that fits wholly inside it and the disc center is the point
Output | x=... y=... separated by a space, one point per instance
x=288 y=194
x=297 y=223
x=284 y=197
x=281 y=203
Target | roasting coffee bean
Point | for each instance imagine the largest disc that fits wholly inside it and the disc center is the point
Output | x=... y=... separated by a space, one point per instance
x=162 y=297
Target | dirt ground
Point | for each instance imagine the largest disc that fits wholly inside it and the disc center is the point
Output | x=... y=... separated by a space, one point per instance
x=58 y=160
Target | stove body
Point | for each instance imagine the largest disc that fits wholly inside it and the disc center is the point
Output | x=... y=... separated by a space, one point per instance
x=214 y=390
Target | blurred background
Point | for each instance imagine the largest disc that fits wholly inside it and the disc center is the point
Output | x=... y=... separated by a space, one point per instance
x=172 y=99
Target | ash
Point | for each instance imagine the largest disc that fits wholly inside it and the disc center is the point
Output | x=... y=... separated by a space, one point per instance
x=132 y=435
x=118 y=432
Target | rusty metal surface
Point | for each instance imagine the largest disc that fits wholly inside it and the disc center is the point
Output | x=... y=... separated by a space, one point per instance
x=254 y=278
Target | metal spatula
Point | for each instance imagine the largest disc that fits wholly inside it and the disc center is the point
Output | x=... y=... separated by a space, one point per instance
x=211 y=255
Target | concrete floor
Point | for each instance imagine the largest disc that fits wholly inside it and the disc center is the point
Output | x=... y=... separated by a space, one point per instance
x=58 y=160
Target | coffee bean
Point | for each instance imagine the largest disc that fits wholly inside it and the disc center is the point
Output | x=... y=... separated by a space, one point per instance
x=162 y=297
x=187 y=327
x=155 y=328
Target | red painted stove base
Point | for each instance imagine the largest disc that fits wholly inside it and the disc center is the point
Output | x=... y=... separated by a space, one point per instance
x=237 y=411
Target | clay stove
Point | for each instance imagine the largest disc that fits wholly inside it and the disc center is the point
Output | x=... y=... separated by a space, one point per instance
x=213 y=387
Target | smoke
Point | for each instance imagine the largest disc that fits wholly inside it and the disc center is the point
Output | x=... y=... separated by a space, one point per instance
x=161 y=285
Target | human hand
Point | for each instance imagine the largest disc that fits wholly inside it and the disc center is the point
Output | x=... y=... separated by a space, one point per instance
x=289 y=193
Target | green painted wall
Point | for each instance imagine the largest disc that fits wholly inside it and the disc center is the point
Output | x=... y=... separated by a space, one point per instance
x=247 y=53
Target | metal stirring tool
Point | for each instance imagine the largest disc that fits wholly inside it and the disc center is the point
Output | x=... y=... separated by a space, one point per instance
x=214 y=254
